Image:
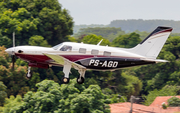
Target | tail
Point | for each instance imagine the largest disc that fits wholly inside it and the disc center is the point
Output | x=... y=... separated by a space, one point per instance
x=151 y=46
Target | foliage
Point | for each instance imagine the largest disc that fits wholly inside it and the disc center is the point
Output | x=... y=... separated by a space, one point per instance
x=28 y=18
x=173 y=45
x=3 y=93
x=38 y=41
x=127 y=41
x=116 y=98
x=107 y=32
x=165 y=91
x=11 y=102
x=4 y=40
x=164 y=106
x=76 y=28
x=14 y=80
x=94 y=39
x=133 y=85
x=174 y=102
x=50 y=97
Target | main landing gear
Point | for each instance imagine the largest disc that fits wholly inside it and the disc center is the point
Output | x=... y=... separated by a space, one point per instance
x=66 y=70
x=65 y=80
x=80 y=79
x=29 y=73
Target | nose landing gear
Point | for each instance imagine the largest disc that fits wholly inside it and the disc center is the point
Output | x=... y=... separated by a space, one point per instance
x=29 y=73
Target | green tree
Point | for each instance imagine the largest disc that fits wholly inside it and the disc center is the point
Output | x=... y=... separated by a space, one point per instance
x=94 y=39
x=107 y=32
x=15 y=81
x=27 y=18
x=50 y=97
x=11 y=102
x=38 y=41
x=3 y=93
x=4 y=40
x=127 y=41
x=165 y=91
x=173 y=45
x=174 y=102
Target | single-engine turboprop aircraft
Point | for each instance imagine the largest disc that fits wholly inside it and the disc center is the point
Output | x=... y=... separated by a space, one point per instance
x=84 y=57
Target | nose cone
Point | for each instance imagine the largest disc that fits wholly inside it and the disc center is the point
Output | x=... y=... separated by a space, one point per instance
x=10 y=51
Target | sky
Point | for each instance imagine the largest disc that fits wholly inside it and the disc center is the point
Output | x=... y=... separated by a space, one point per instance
x=104 y=11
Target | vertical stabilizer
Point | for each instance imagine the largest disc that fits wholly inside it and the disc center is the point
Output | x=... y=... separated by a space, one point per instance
x=151 y=46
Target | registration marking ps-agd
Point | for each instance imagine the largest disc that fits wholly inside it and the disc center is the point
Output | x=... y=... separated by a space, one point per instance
x=106 y=63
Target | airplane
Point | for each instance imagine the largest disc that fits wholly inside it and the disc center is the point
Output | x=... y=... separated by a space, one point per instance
x=84 y=57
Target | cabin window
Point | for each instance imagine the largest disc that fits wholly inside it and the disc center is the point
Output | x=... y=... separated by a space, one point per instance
x=94 y=52
x=106 y=53
x=66 y=48
x=82 y=50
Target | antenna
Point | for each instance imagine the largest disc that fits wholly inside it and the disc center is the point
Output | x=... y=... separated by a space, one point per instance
x=13 y=39
x=99 y=42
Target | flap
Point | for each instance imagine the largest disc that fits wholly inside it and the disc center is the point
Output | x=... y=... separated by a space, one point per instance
x=62 y=61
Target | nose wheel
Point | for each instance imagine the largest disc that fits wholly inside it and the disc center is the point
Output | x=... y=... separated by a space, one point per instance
x=29 y=73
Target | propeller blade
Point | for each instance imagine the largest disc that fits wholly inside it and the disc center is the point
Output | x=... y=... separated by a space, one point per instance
x=13 y=56
x=13 y=61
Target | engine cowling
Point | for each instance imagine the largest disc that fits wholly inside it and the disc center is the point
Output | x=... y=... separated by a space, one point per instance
x=39 y=65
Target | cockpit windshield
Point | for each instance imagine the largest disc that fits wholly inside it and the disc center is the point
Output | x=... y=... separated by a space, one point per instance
x=57 y=46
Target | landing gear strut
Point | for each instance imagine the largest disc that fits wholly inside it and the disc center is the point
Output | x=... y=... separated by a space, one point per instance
x=66 y=70
x=80 y=79
x=29 y=73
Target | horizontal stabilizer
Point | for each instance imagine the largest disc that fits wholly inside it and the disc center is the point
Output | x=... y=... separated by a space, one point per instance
x=156 y=60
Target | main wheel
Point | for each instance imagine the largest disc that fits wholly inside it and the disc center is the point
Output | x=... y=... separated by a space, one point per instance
x=65 y=80
x=80 y=80
x=29 y=75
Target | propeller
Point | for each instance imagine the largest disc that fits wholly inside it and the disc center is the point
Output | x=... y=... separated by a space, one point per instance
x=13 y=61
x=13 y=55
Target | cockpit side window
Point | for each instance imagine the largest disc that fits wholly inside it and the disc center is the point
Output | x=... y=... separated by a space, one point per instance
x=66 y=48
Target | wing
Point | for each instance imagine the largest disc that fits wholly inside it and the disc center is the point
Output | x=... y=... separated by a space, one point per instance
x=62 y=61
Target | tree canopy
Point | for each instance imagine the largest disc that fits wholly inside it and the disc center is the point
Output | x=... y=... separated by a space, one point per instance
x=127 y=41
x=27 y=18
x=51 y=97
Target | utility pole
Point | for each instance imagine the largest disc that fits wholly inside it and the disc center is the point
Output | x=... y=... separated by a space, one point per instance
x=132 y=100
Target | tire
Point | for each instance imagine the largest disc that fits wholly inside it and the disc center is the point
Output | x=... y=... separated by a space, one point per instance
x=65 y=80
x=80 y=80
x=29 y=75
